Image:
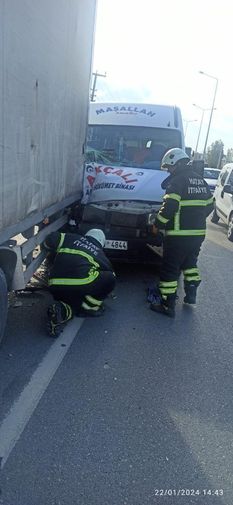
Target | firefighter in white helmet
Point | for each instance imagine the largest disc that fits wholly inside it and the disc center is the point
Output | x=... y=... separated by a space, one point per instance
x=80 y=279
x=186 y=204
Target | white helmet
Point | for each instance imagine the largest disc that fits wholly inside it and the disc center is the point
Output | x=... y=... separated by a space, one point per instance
x=97 y=234
x=172 y=156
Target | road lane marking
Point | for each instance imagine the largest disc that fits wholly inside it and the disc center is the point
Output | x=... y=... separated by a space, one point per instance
x=22 y=409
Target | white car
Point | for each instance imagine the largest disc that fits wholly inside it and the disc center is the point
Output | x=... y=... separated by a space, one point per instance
x=223 y=199
x=211 y=176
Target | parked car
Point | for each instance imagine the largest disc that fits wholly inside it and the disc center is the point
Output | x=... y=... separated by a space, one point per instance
x=211 y=176
x=223 y=199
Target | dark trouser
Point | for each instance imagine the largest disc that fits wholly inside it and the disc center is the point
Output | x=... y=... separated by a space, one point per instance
x=180 y=254
x=88 y=296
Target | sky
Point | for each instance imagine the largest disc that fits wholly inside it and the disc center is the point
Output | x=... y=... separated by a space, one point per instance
x=152 y=52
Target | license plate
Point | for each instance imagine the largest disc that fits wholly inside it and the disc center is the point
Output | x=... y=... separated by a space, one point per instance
x=116 y=244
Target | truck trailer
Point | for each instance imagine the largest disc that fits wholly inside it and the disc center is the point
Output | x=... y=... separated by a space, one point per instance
x=45 y=69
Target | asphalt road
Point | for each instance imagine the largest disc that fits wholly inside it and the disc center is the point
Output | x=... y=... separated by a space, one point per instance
x=130 y=409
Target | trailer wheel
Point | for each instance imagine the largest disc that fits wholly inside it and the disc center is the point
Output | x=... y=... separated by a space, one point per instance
x=3 y=303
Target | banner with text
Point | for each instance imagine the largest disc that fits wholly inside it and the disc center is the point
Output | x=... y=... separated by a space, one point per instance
x=103 y=183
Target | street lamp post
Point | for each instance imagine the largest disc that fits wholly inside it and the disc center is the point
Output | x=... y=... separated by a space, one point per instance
x=201 y=122
x=187 y=121
x=211 y=110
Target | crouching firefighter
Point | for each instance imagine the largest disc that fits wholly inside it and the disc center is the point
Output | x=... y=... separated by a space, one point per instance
x=186 y=204
x=80 y=279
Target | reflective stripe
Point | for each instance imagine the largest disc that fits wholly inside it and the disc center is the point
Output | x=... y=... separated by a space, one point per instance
x=69 y=312
x=162 y=219
x=193 y=278
x=195 y=203
x=66 y=250
x=168 y=283
x=93 y=274
x=61 y=240
x=93 y=300
x=191 y=274
x=174 y=196
x=168 y=287
x=191 y=271
x=87 y=307
x=74 y=282
x=167 y=291
x=187 y=233
x=177 y=220
x=211 y=200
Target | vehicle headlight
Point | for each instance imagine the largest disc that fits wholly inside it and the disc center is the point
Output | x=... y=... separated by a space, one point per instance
x=151 y=218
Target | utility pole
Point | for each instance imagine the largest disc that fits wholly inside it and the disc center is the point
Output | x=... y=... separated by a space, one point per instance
x=212 y=109
x=96 y=74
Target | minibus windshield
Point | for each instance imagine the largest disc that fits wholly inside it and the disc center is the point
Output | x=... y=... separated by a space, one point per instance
x=132 y=146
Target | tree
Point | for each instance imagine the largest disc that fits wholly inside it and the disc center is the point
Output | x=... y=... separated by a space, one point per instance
x=215 y=153
x=229 y=156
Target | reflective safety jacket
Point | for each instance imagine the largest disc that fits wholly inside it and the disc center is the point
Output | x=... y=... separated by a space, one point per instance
x=186 y=204
x=79 y=259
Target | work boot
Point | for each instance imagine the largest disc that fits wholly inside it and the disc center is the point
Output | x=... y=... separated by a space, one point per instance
x=165 y=306
x=59 y=313
x=190 y=294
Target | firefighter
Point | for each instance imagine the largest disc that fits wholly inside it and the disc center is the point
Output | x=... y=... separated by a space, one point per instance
x=182 y=217
x=80 y=279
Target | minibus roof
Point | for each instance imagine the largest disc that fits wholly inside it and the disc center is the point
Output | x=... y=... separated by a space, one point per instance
x=134 y=114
